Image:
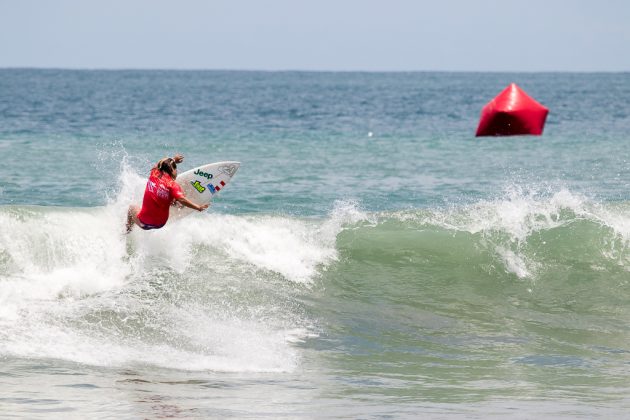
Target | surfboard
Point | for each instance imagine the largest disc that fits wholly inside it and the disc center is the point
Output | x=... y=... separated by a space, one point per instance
x=203 y=183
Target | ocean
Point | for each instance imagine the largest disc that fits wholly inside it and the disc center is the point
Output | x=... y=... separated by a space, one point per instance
x=370 y=259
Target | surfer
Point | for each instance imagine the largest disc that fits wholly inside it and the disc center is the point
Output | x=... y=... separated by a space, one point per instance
x=161 y=192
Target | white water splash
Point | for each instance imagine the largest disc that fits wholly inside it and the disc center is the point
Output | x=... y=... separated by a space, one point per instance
x=74 y=287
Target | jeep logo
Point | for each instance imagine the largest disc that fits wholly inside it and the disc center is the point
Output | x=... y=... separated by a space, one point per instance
x=203 y=174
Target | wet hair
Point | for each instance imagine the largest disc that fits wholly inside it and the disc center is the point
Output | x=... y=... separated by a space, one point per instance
x=167 y=165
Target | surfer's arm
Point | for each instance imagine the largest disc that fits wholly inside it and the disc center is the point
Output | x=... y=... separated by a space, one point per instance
x=186 y=202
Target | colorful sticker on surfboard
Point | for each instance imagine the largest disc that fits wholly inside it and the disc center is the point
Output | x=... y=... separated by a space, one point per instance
x=197 y=185
x=216 y=188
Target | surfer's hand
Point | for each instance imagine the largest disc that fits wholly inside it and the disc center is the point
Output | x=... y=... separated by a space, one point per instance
x=178 y=158
x=203 y=207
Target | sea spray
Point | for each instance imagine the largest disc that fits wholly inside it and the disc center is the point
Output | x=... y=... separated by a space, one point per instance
x=513 y=224
x=194 y=295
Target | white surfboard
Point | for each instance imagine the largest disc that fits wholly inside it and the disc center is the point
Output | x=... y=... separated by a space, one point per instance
x=201 y=184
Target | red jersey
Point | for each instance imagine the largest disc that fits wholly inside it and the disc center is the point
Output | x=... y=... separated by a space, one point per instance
x=158 y=197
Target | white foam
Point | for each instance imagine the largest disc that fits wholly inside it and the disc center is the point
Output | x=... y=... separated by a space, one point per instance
x=74 y=263
x=248 y=351
x=514 y=262
x=294 y=248
x=63 y=268
x=226 y=345
x=521 y=212
x=507 y=222
x=59 y=252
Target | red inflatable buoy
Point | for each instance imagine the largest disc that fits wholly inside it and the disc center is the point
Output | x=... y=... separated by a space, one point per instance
x=512 y=112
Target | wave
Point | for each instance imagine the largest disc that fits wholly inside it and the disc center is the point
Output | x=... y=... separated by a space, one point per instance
x=523 y=233
x=208 y=292
x=529 y=264
x=236 y=292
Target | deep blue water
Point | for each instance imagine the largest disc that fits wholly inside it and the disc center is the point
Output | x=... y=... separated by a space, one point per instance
x=304 y=138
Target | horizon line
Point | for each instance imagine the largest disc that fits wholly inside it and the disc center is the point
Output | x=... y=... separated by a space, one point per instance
x=174 y=69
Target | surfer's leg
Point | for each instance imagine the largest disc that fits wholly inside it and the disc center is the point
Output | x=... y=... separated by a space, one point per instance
x=132 y=217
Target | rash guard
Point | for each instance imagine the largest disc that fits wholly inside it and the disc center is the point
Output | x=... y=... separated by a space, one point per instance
x=159 y=194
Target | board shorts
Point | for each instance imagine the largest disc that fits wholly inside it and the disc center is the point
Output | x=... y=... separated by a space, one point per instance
x=146 y=226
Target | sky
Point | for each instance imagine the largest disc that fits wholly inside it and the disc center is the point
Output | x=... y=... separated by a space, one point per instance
x=319 y=35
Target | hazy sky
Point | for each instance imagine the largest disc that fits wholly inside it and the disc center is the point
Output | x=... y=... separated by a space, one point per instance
x=476 y=35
